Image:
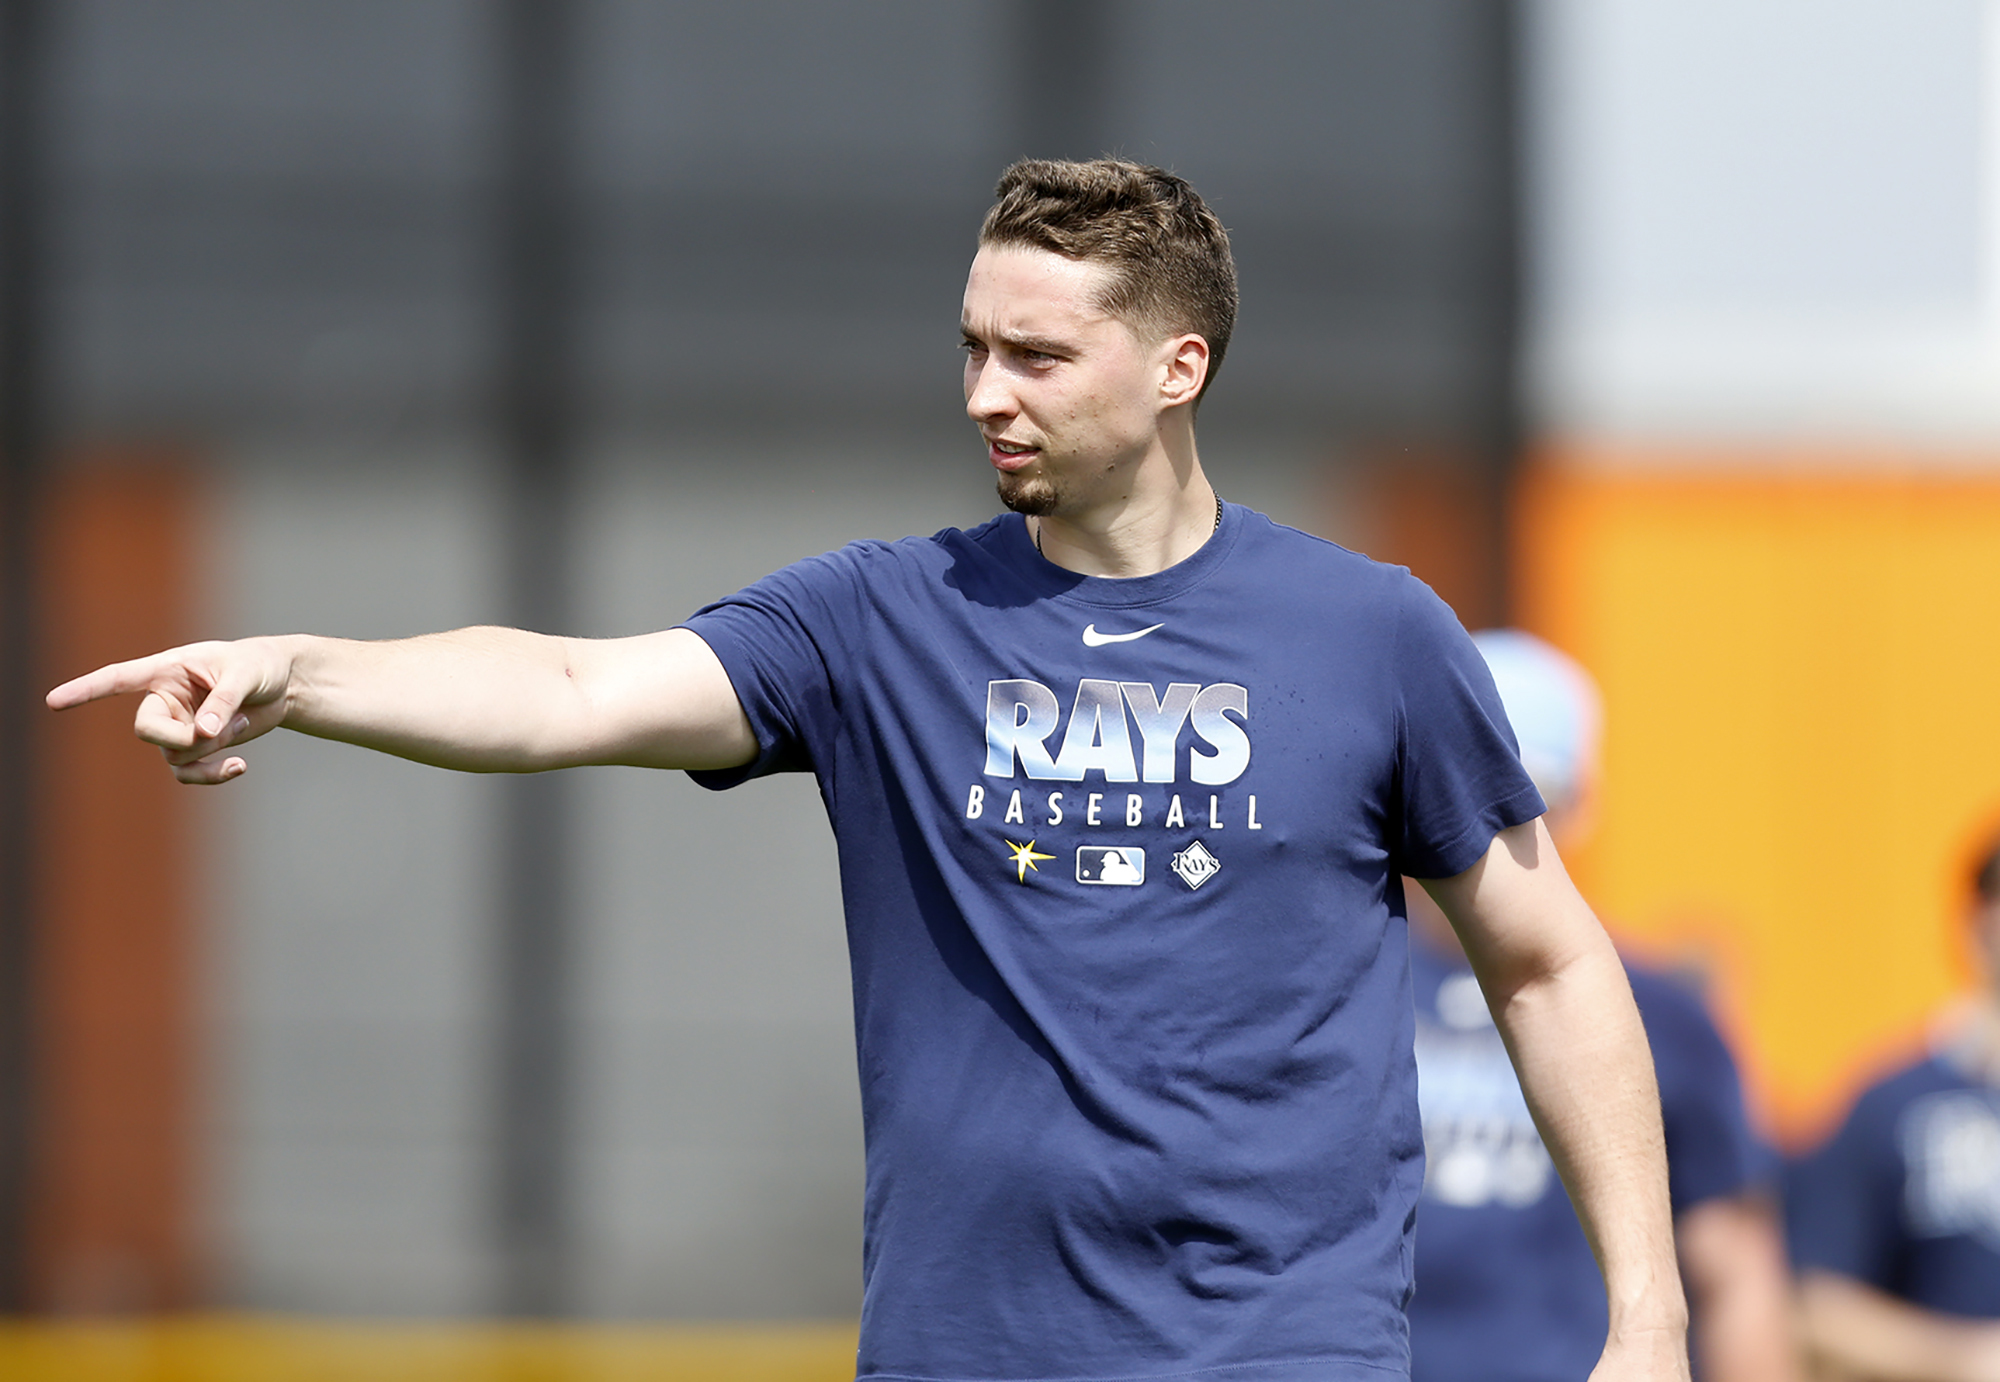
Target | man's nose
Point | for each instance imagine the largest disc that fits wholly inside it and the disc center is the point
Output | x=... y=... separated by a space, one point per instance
x=986 y=392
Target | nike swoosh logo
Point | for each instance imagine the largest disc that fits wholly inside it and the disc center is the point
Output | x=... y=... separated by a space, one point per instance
x=1093 y=639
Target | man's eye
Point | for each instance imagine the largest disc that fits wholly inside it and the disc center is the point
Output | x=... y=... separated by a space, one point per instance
x=972 y=347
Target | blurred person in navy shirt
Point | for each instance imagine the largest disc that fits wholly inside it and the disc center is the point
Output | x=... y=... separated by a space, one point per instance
x=1895 y=1222
x=1507 y=1288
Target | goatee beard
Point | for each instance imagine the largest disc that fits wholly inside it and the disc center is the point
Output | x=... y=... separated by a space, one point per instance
x=1030 y=495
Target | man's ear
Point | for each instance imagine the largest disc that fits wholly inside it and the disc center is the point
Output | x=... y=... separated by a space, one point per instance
x=1186 y=369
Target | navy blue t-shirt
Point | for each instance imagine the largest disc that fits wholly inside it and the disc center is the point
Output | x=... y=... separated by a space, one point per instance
x=1906 y=1196
x=1122 y=866
x=1507 y=1288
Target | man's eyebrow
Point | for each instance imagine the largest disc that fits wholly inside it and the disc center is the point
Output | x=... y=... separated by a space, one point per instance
x=1021 y=340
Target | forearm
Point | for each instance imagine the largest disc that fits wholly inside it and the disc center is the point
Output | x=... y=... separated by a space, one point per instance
x=480 y=700
x=1864 y=1333
x=1587 y=1072
x=476 y=699
x=1562 y=1003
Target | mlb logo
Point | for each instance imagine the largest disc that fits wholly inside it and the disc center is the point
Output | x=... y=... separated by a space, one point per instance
x=1108 y=866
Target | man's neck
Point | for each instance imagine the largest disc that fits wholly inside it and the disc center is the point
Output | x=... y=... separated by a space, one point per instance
x=1171 y=512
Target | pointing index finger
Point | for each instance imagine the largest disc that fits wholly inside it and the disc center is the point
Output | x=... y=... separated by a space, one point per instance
x=117 y=679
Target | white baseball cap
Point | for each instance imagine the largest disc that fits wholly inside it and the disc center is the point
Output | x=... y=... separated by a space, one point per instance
x=1553 y=705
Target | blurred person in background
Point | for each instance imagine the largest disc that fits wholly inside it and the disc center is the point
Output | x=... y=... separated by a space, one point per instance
x=1895 y=1221
x=1507 y=1288
x=1128 y=1122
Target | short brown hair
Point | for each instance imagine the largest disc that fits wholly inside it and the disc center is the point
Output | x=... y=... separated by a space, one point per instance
x=1168 y=254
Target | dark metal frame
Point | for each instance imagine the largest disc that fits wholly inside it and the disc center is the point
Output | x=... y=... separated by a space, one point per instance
x=536 y=413
x=23 y=424
x=1499 y=427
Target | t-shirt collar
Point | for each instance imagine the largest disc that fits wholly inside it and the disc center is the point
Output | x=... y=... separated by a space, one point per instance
x=1017 y=549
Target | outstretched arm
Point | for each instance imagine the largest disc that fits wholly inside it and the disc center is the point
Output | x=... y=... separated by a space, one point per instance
x=1564 y=1007
x=1732 y=1252
x=480 y=699
x=1853 y=1330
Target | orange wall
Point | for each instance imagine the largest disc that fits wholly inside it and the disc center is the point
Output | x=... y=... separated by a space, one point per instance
x=1801 y=670
x=111 y=1218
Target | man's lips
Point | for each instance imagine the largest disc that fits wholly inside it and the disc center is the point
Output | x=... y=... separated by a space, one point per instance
x=1005 y=457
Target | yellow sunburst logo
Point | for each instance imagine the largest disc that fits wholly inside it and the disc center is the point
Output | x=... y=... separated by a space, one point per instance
x=1025 y=857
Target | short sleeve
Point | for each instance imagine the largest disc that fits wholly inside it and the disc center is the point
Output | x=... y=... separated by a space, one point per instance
x=1842 y=1201
x=1459 y=775
x=1712 y=1152
x=777 y=640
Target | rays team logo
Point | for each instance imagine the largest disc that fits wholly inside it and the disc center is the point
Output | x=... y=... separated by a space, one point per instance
x=1091 y=764
x=1026 y=857
x=1106 y=866
x=1196 y=865
x=1122 y=731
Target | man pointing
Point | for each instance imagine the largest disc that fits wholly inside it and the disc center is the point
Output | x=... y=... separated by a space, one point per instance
x=1154 y=1119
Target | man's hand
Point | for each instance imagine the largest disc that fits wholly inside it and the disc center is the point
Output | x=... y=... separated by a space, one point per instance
x=479 y=700
x=200 y=701
x=1657 y=1355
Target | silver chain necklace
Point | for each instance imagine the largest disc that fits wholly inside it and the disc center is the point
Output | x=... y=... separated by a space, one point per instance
x=1211 y=532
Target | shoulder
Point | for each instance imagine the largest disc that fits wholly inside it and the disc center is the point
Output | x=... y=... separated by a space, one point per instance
x=1929 y=1075
x=1318 y=559
x=1693 y=1060
x=1712 y=1149
x=1688 y=1048
x=1880 y=1106
x=932 y=552
x=1896 y=1091
x=878 y=565
x=1399 y=621
x=1670 y=1002
x=1864 y=1156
